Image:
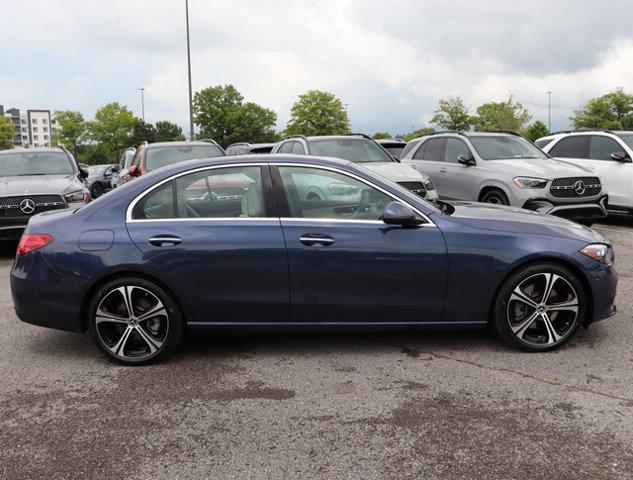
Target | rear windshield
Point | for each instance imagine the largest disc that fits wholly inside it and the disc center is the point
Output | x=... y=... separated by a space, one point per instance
x=354 y=149
x=35 y=163
x=505 y=147
x=394 y=149
x=161 y=156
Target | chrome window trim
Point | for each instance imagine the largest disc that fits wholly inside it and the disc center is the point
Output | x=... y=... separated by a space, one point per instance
x=130 y=208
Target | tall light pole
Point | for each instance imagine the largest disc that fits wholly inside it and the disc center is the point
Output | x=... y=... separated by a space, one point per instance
x=142 y=89
x=191 y=135
x=549 y=110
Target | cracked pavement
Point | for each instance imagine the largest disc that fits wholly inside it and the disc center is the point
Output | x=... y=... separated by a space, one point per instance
x=432 y=405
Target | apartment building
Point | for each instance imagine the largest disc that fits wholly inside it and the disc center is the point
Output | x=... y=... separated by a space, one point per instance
x=33 y=128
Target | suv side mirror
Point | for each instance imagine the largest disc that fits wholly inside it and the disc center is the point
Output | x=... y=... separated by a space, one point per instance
x=465 y=159
x=83 y=173
x=621 y=157
x=398 y=214
x=114 y=169
x=133 y=171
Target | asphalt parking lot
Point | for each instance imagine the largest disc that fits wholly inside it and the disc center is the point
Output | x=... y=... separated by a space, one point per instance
x=444 y=405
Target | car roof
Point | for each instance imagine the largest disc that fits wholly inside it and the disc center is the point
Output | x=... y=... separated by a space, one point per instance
x=391 y=140
x=32 y=150
x=177 y=144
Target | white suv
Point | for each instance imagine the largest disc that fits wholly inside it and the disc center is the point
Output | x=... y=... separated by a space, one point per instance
x=607 y=153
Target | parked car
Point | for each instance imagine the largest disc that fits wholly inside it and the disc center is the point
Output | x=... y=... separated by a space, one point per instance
x=506 y=169
x=360 y=149
x=100 y=179
x=244 y=148
x=124 y=164
x=608 y=154
x=139 y=268
x=37 y=180
x=393 y=145
x=150 y=156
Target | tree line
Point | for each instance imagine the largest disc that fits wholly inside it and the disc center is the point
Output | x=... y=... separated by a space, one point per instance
x=221 y=113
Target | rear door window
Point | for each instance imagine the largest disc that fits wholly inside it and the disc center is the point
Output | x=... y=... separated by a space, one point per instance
x=576 y=146
x=433 y=150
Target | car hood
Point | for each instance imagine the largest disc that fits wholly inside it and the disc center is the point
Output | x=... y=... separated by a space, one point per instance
x=547 y=168
x=33 y=184
x=398 y=172
x=503 y=218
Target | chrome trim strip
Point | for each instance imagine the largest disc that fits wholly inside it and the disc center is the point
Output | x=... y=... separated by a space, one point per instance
x=316 y=240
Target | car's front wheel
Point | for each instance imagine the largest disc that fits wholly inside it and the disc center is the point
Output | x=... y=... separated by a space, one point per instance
x=539 y=307
x=495 y=196
x=134 y=321
x=96 y=190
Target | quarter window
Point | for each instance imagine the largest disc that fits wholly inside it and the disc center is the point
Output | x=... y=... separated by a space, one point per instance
x=298 y=148
x=158 y=204
x=454 y=148
x=323 y=194
x=603 y=147
x=576 y=146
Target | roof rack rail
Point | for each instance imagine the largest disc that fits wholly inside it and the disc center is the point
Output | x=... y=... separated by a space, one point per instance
x=585 y=130
x=298 y=135
x=364 y=135
x=443 y=131
x=509 y=132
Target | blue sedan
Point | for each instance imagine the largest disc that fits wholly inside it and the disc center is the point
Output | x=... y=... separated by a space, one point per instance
x=230 y=243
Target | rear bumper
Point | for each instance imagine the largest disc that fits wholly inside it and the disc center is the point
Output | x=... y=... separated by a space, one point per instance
x=573 y=211
x=41 y=296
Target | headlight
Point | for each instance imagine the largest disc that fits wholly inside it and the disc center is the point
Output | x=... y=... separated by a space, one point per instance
x=597 y=251
x=529 y=182
x=78 y=196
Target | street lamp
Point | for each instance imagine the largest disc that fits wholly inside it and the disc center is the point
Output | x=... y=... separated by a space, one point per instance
x=549 y=109
x=191 y=135
x=142 y=89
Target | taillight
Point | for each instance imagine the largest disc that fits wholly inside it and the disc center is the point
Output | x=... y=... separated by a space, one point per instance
x=31 y=242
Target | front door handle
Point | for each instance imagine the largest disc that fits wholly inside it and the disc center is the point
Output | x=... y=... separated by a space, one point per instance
x=311 y=239
x=443 y=169
x=164 y=240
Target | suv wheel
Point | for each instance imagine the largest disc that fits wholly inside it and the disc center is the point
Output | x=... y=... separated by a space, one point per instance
x=134 y=321
x=540 y=307
x=495 y=196
x=97 y=190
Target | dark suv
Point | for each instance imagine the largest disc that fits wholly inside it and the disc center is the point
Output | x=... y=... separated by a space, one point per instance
x=150 y=156
x=37 y=180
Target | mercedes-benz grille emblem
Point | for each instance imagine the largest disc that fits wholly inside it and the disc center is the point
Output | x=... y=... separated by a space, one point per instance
x=27 y=206
x=580 y=187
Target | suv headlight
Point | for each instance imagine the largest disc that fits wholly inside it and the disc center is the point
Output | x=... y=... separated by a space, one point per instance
x=529 y=182
x=597 y=251
x=78 y=196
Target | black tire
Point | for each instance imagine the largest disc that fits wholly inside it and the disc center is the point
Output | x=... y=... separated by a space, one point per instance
x=536 y=336
x=496 y=197
x=163 y=329
x=96 y=190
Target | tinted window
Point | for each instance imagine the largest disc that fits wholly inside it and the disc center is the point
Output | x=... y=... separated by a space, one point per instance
x=286 y=147
x=433 y=150
x=410 y=146
x=353 y=149
x=34 y=163
x=221 y=193
x=504 y=147
x=626 y=138
x=157 y=204
x=455 y=147
x=542 y=143
x=395 y=150
x=298 y=148
x=602 y=148
x=315 y=193
x=157 y=157
x=576 y=146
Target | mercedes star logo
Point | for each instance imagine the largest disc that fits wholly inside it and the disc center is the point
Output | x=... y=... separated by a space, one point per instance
x=580 y=187
x=27 y=206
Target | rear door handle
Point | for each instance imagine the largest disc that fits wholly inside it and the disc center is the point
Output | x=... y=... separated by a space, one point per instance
x=443 y=169
x=164 y=240
x=316 y=239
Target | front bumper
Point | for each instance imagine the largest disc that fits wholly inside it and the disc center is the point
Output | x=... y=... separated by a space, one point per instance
x=603 y=284
x=592 y=210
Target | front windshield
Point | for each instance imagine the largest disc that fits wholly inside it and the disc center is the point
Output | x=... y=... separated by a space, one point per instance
x=34 y=163
x=359 y=150
x=504 y=147
x=626 y=138
x=97 y=170
x=161 y=156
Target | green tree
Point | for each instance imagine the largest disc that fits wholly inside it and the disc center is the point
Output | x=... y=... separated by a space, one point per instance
x=612 y=111
x=418 y=133
x=71 y=129
x=318 y=113
x=142 y=132
x=7 y=133
x=537 y=130
x=222 y=115
x=167 y=131
x=452 y=114
x=112 y=127
x=508 y=116
x=381 y=135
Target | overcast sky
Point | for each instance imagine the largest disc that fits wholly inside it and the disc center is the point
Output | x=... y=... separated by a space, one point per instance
x=390 y=61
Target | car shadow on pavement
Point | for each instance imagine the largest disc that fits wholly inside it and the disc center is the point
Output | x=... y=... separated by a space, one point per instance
x=7 y=250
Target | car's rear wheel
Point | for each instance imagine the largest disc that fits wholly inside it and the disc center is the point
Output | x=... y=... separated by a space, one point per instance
x=539 y=307
x=96 y=190
x=134 y=321
x=495 y=196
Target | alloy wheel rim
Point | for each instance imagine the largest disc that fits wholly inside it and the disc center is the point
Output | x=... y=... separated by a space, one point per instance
x=543 y=309
x=132 y=322
x=97 y=190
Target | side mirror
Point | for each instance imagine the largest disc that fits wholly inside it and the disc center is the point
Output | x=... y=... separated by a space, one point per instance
x=133 y=171
x=114 y=169
x=398 y=214
x=83 y=173
x=621 y=157
x=467 y=160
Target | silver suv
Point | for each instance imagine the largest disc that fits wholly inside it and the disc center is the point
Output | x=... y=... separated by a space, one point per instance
x=359 y=148
x=506 y=169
